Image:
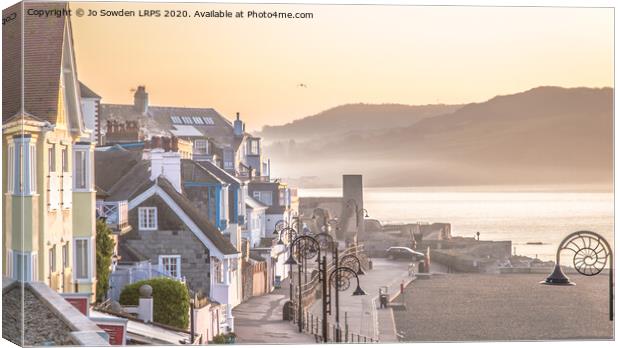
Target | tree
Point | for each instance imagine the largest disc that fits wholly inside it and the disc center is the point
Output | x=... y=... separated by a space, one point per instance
x=105 y=250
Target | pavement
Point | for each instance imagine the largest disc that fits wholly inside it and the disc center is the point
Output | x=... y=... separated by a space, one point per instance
x=259 y=320
x=362 y=312
x=498 y=307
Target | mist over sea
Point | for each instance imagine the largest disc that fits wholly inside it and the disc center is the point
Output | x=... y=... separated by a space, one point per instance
x=521 y=214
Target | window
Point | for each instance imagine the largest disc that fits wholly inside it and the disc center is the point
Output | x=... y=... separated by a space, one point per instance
x=201 y=146
x=52 y=259
x=198 y=120
x=9 y=263
x=35 y=266
x=82 y=258
x=228 y=165
x=147 y=218
x=51 y=159
x=176 y=119
x=265 y=197
x=218 y=270
x=187 y=119
x=208 y=120
x=32 y=170
x=11 y=169
x=24 y=266
x=65 y=159
x=170 y=265
x=254 y=147
x=65 y=255
x=80 y=170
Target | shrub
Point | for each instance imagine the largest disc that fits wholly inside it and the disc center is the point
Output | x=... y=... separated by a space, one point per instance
x=170 y=300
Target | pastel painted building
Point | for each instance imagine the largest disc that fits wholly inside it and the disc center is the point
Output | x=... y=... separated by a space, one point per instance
x=48 y=217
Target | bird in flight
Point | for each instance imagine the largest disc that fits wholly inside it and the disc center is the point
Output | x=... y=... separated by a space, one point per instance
x=302 y=85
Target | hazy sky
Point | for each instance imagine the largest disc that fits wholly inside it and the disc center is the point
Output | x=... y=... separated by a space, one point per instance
x=345 y=54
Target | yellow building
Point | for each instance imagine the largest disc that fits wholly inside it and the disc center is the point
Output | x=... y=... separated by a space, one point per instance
x=48 y=219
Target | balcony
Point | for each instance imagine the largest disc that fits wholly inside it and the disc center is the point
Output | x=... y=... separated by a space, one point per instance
x=115 y=213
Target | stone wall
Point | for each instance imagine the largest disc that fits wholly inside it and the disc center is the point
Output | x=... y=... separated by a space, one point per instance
x=171 y=238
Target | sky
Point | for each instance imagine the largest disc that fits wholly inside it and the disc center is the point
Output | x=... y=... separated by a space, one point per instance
x=344 y=54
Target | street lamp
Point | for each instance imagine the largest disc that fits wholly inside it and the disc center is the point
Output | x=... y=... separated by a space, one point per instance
x=342 y=283
x=591 y=252
x=307 y=247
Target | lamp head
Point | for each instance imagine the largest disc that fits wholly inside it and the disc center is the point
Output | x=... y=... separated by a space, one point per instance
x=360 y=271
x=290 y=261
x=358 y=291
x=557 y=277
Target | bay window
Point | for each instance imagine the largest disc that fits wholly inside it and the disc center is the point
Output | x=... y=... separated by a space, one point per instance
x=22 y=166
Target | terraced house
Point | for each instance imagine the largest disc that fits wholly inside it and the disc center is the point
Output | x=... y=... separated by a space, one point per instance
x=48 y=219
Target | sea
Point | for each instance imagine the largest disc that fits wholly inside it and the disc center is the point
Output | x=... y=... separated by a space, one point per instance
x=535 y=219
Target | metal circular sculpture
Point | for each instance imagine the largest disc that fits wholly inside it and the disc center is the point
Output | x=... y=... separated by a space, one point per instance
x=307 y=249
x=325 y=240
x=343 y=281
x=590 y=252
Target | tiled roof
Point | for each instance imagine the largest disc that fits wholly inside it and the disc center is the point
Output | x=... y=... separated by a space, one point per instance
x=42 y=57
x=158 y=120
x=124 y=175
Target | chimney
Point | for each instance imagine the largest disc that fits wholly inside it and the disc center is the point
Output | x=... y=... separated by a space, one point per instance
x=141 y=100
x=238 y=127
x=165 y=163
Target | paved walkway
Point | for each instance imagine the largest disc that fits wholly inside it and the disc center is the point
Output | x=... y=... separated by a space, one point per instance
x=363 y=315
x=259 y=320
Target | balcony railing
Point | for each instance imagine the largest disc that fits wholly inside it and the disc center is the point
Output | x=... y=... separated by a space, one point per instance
x=116 y=214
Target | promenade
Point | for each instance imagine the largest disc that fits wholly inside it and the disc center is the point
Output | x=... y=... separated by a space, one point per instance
x=259 y=320
x=362 y=313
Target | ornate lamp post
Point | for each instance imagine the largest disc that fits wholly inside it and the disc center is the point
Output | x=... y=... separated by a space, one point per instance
x=342 y=283
x=307 y=247
x=590 y=253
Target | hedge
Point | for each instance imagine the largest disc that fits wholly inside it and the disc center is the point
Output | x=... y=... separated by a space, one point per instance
x=170 y=300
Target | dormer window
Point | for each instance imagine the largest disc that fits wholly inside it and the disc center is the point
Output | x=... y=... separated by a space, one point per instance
x=187 y=120
x=198 y=120
x=176 y=119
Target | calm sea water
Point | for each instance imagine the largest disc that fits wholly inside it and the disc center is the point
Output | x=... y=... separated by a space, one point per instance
x=520 y=215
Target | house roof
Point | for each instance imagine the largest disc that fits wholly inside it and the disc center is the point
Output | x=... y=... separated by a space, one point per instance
x=255 y=204
x=158 y=121
x=129 y=254
x=87 y=92
x=42 y=58
x=207 y=228
x=111 y=166
x=219 y=172
x=194 y=172
x=124 y=175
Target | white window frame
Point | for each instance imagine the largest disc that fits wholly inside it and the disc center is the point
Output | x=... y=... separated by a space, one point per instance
x=208 y=120
x=11 y=169
x=198 y=120
x=88 y=170
x=89 y=256
x=143 y=217
x=162 y=269
x=65 y=255
x=52 y=259
x=176 y=120
x=199 y=148
x=32 y=169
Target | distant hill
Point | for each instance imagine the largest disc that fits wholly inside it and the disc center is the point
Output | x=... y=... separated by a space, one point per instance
x=352 y=118
x=546 y=135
